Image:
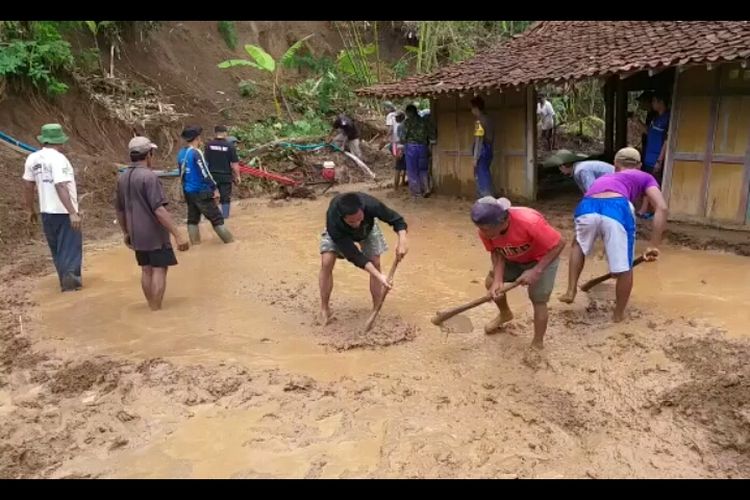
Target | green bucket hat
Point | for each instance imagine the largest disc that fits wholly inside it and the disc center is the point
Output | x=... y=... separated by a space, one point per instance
x=563 y=157
x=52 y=133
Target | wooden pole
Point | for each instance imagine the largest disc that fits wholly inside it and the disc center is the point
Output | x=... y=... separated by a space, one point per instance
x=609 y=119
x=621 y=116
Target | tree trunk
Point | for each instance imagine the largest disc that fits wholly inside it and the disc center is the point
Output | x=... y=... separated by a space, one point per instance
x=112 y=61
x=99 y=56
x=276 y=103
x=286 y=106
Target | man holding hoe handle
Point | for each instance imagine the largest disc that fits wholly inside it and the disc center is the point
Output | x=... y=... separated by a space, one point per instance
x=607 y=212
x=524 y=249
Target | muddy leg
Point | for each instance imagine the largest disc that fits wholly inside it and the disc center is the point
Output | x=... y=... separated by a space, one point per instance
x=146 y=275
x=158 y=286
x=325 y=280
x=376 y=289
x=622 y=294
x=505 y=313
x=540 y=325
x=575 y=266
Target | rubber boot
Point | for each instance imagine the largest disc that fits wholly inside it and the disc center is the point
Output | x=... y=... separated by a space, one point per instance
x=224 y=233
x=194 y=234
x=225 y=210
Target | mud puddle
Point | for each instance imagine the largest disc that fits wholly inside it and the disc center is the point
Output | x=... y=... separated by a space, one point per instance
x=244 y=383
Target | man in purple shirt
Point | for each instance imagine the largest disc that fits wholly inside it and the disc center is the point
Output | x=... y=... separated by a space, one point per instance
x=607 y=211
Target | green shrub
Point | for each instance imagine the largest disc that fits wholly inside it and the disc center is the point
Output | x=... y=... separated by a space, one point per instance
x=228 y=33
x=248 y=88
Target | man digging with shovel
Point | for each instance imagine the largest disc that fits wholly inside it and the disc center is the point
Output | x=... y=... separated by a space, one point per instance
x=607 y=212
x=350 y=220
x=524 y=249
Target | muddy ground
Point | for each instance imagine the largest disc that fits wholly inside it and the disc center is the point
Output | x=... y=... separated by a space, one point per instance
x=234 y=378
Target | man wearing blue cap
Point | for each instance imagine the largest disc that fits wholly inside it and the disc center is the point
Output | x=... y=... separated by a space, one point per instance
x=524 y=248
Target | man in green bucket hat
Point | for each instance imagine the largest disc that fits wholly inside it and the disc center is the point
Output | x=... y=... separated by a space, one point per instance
x=583 y=170
x=52 y=174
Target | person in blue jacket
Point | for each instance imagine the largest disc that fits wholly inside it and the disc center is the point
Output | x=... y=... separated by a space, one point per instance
x=200 y=189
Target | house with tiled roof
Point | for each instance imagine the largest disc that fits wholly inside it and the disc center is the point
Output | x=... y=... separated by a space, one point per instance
x=703 y=65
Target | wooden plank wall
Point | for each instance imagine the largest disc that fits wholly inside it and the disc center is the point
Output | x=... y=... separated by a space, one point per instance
x=709 y=155
x=453 y=165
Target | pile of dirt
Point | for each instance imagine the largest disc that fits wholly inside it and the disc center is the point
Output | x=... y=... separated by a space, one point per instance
x=346 y=331
x=654 y=397
x=717 y=398
x=70 y=408
x=704 y=238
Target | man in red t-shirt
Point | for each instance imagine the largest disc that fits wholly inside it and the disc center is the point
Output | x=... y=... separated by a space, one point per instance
x=524 y=248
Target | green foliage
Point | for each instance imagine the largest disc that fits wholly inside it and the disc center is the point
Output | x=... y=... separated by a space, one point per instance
x=228 y=33
x=231 y=63
x=263 y=59
x=579 y=108
x=35 y=51
x=291 y=52
x=589 y=126
x=327 y=90
x=248 y=88
x=351 y=61
x=87 y=61
x=270 y=130
x=442 y=42
x=98 y=27
x=401 y=68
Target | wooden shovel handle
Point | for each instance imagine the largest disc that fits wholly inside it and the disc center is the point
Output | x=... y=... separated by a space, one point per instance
x=601 y=279
x=374 y=313
x=441 y=316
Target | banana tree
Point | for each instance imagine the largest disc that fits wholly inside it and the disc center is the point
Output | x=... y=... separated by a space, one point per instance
x=95 y=28
x=263 y=61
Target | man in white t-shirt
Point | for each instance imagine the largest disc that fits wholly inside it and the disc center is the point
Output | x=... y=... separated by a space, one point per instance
x=546 y=114
x=390 y=117
x=52 y=174
x=390 y=122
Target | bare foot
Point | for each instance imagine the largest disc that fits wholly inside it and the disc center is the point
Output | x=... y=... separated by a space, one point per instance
x=537 y=344
x=618 y=317
x=533 y=358
x=326 y=317
x=568 y=297
x=494 y=325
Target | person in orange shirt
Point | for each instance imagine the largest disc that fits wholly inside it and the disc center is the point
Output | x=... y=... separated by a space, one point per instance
x=524 y=248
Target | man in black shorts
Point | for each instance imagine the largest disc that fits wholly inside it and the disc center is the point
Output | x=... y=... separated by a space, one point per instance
x=144 y=221
x=224 y=165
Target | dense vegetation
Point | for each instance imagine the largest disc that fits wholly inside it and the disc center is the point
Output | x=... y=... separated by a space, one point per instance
x=37 y=53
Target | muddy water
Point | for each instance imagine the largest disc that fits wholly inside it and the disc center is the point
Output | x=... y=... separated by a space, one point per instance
x=252 y=303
